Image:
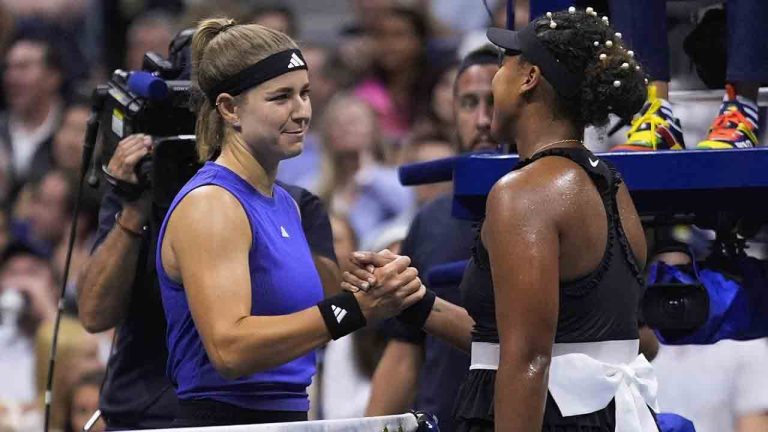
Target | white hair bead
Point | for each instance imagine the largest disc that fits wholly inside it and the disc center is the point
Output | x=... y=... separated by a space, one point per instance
x=631 y=53
x=572 y=10
x=625 y=65
x=637 y=68
x=590 y=10
x=603 y=56
x=646 y=80
x=608 y=43
x=549 y=15
x=596 y=43
x=618 y=35
x=552 y=25
x=617 y=83
x=605 y=20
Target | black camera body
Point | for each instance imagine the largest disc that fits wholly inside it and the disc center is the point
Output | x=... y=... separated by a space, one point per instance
x=675 y=308
x=125 y=113
x=155 y=101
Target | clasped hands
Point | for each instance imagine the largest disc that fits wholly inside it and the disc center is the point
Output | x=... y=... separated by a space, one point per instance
x=383 y=283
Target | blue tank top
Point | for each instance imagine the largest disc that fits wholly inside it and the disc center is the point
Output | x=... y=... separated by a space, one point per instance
x=283 y=280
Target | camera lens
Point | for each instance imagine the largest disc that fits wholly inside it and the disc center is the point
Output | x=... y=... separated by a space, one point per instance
x=675 y=307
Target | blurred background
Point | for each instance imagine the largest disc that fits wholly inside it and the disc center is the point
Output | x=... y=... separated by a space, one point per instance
x=381 y=73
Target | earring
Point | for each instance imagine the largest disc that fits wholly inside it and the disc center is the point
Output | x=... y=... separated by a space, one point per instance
x=552 y=23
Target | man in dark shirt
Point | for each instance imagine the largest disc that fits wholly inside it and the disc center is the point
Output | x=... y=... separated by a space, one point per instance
x=413 y=363
x=119 y=288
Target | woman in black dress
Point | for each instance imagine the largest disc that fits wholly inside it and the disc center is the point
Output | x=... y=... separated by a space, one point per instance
x=554 y=285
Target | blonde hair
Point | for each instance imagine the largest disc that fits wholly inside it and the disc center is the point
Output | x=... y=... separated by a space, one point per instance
x=221 y=49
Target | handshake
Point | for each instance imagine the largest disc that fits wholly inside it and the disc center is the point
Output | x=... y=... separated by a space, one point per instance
x=383 y=284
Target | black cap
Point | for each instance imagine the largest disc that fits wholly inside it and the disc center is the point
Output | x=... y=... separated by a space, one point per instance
x=526 y=42
x=509 y=40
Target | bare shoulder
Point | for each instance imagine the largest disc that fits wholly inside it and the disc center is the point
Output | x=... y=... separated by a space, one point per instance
x=209 y=210
x=539 y=186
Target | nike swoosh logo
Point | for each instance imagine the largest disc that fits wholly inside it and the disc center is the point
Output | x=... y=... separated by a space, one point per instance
x=594 y=163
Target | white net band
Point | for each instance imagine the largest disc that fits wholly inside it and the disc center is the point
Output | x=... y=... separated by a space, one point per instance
x=396 y=423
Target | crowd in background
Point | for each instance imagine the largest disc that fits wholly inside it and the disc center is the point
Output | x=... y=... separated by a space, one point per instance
x=381 y=97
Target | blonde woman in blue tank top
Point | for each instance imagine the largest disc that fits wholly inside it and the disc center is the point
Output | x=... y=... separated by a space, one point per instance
x=241 y=294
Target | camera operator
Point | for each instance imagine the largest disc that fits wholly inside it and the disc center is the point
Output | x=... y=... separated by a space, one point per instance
x=118 y=287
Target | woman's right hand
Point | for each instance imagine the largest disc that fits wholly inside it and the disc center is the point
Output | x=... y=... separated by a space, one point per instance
x=393 y=287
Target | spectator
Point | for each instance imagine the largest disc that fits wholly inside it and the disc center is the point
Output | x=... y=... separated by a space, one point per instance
x=69 y=139
x=356 y=51
x=275 y=15
x=396 y=90
x=152 y=31
x=44 y=221
x=83 y=401
x=355 y=182
x=32 y=85
x=27 y=287
x=437 y=120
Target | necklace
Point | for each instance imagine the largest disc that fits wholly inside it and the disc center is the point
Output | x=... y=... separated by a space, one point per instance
x=541 y=149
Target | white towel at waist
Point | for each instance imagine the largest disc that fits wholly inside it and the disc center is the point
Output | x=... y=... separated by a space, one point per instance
x=585 y=377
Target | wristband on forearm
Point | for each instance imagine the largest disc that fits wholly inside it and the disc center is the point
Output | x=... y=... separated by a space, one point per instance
x=342 y=314
x=128 y=192
x=416 y=314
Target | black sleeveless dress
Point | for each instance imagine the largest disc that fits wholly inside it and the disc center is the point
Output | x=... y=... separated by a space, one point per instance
x=601 y=306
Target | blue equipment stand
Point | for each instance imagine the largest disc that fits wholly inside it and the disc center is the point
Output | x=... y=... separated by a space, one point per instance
x=698 y=183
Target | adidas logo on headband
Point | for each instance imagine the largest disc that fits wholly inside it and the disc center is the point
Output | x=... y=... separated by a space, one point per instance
x=295 y=62
x=258 y=72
